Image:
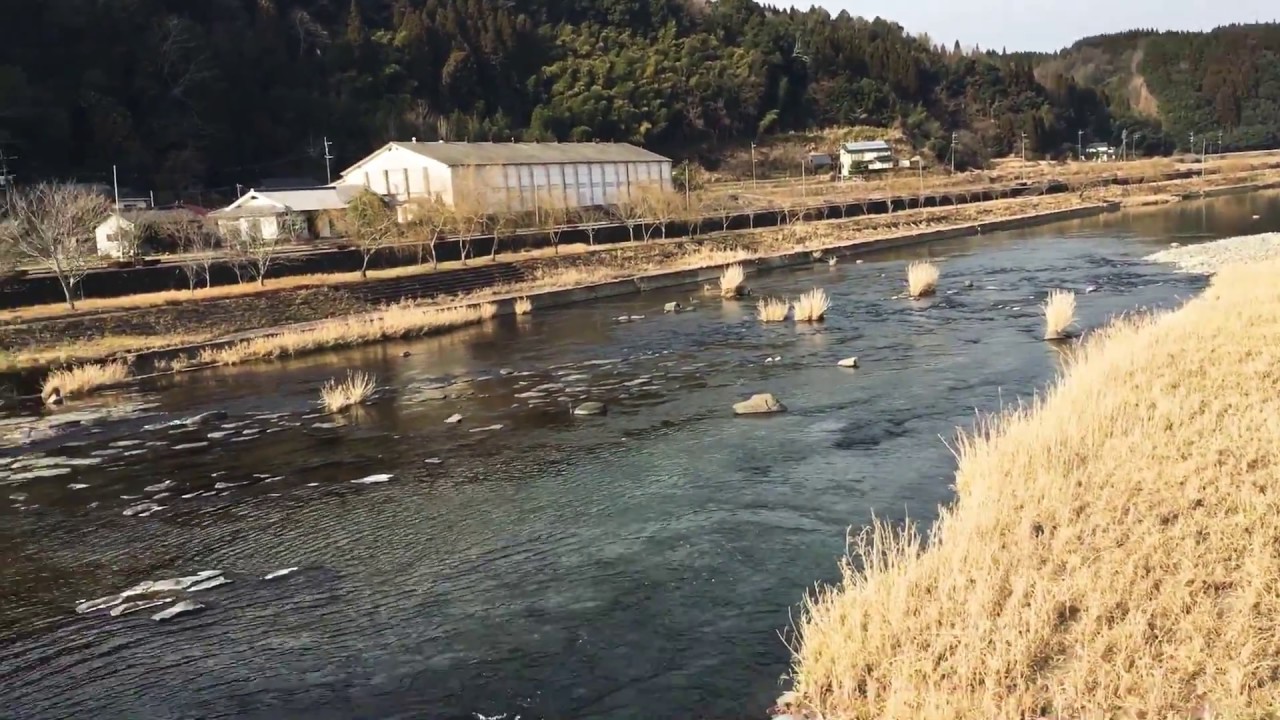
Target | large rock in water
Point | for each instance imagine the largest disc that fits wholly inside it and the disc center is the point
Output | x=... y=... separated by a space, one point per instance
x=760 y=404
x=591 y=408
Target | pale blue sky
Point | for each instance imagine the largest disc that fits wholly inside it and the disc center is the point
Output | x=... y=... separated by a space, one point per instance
x=1046 y=24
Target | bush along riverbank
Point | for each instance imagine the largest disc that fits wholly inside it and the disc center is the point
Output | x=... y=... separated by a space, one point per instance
x=1110 y=553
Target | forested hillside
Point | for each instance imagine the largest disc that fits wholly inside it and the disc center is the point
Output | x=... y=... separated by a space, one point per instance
x=181 y=94
x=1169 y=85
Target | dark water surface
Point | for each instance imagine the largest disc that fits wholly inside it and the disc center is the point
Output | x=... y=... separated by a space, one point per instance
x=639 y=565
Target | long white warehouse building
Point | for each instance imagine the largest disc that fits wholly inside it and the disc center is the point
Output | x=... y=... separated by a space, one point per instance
x=511 y=176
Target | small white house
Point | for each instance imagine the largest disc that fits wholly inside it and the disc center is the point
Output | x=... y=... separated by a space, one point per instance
x=265 y=212
x=858 y=157
x=117 y=233
x=517 y=177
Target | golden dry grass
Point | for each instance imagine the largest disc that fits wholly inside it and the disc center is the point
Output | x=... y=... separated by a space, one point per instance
x=922 y=279
x=772 y=310
x=523 y=306
x=84 y=379
x=1111 y=552
x=1059 y=314
x=731 y=280
x=337 y=396
x=812 y=306
x=397 y=321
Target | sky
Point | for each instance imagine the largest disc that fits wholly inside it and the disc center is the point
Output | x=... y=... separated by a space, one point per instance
x=1044 y=24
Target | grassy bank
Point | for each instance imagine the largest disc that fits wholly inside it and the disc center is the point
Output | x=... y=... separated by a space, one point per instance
x=1111 y=551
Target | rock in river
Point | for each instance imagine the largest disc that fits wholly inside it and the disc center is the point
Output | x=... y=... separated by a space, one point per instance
x=207 y=417
x=848 y=362
x=182 y=608
x=591 y=408
x=137 y=605
x=760 y=404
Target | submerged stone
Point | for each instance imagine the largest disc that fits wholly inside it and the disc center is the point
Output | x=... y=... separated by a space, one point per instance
x=99 y=604
x=278 y=573
x=759 y=404
x=137 y=605
x=374 y=479
x=208 y=584
x=182 y=608
x=591 y=408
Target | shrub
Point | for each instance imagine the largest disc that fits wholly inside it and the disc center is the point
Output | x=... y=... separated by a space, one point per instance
x=1059 y=314
x=84 y=379
x=922 y=279
x=812 y=306
x=773 y=309
x=338 y=396
x=731 y=280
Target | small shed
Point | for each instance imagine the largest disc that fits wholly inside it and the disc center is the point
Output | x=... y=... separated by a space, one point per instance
x=858 y=157
x=265 y=212
x=115 y=235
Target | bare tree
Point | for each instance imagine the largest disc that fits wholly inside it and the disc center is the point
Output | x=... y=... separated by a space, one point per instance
x=719 y=205
x=589 y=218
x=254 y=251
x=430 y=219
x=51 y=224
x=630 y=214
x=555 y=214
x=502 y=221
x=195 y=244
x=370 y=223
x=470 y=208
x=659 y=206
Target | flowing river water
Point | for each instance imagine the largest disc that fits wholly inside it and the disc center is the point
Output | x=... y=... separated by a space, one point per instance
x=643 y=564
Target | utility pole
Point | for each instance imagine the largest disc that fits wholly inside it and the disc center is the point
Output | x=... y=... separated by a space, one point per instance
x=115 y=182
x=1203 y=165
x=954 y=135
x=804 y=189
x=1024 y=147
x=687 y=182
x=1219 y=142
x=1079 y=145
x=753 y=163
x=328 y=175
x=5 y=178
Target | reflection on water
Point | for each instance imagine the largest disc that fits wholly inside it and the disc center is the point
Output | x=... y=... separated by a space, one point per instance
x=639 y=564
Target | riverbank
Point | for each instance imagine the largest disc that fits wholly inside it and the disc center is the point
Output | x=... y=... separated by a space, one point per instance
x=147 y=335
x=1110 y=550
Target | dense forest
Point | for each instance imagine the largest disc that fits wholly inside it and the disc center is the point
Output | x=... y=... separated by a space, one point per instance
x=184 y=94
x=1223 y=86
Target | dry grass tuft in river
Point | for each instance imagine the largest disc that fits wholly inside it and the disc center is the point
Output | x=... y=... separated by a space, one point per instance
x=83 y=379
x=1059 y=314
x=773 y=310
x=731 y=281
x=523 y=306
x=1111 y=547
x=396 y=321
x=922 y=279
x=338 y=396
x=812 y=306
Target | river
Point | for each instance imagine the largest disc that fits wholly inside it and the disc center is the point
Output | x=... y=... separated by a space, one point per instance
x=643 y=564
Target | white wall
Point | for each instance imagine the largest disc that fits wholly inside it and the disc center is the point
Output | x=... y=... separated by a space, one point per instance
x=522 y=188
x=105 y=234
x=401 y=174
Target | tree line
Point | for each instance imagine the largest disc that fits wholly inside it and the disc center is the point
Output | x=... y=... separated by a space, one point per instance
x=186 y=95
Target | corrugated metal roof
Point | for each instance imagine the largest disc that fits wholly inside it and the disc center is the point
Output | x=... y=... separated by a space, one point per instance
x=321 y=198
x=488 y=153
x=866 y=146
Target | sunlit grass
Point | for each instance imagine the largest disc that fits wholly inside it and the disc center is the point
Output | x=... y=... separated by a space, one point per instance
x=922 y=279
x=1059 y=314
x=772 y=310
x=397 y=321
x=1110 y=551
x=812 y=306
x=337 y=396
x=84 y=379
x=523 y=306
x=731 y=280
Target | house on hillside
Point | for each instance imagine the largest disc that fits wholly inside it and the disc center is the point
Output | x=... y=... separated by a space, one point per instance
x=1100 y=152
x=268 y=213
x=115 y=235
x=871 y=155
x=513 y=177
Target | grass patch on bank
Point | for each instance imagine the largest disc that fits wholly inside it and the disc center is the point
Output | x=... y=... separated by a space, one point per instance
x=83 y=379
x=1111 y=551
x=337 y=396
x=397 y=321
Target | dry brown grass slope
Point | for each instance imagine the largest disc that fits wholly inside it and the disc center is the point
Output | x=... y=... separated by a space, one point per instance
x=1112 y=551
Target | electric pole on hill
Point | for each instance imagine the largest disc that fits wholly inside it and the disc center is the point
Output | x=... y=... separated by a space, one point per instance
x=953 y=152
x=328 y=174
x=5 y=178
